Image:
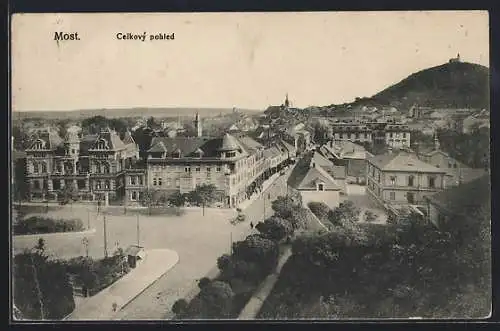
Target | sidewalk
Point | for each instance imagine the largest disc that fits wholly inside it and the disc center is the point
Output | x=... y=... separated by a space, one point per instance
x=255 y=303
x=245 y=204
x=100 y=307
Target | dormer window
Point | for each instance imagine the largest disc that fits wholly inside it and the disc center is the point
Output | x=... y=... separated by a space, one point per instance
x=199 y=153
x=38 y=144
x=101 y=144
x=177 y=154
x=230 y=154
x=321 y=186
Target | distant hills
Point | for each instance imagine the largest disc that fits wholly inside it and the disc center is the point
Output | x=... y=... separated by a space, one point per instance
x=451 y=85
x=128 y=112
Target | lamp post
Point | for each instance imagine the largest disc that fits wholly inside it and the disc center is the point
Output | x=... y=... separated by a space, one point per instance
x=85 y=243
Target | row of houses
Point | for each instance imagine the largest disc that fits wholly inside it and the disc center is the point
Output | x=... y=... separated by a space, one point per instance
x=106 y=168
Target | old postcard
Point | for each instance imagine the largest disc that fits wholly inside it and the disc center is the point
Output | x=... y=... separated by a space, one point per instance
x=313 y=165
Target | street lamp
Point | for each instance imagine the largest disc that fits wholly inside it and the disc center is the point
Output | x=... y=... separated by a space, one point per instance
x=85 y=243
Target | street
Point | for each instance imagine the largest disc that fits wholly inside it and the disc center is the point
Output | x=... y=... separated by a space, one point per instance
x=157 y=300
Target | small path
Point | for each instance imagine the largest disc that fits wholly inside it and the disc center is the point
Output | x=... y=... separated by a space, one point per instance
x=100 y=306
x=255 y=303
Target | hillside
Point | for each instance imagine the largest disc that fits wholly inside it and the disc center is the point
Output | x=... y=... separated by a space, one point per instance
x=451 y=85
x=127 y=112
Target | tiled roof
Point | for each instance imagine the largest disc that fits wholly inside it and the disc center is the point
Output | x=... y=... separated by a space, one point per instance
x=186 y=145
x=86 y=142
x=402 y=161
x=466 y=197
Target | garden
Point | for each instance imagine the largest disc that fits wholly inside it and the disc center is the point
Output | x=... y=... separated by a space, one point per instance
x=44 y=287
x=407 y=268
x=248 y=265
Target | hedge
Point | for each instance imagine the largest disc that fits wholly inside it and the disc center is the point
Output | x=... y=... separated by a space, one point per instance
x=42 y=224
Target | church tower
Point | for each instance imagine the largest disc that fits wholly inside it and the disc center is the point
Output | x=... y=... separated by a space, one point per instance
x=197 y=125
x=287 y=102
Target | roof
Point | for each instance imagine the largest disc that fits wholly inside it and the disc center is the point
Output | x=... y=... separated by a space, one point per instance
x=465 y=198
x=186 y=145
x=402 y=161
x=112 y=139
x=305 y=177
x=49 y=137
x=229 y=143
x=133 y=250
x=127 y=139
x=347 y=149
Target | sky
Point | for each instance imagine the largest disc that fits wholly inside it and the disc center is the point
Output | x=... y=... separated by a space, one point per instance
x=225 y=60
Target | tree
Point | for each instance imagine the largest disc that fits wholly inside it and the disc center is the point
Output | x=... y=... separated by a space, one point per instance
x=370 y=216
x=148 y=199
x=177 y=199
x=345 y=214
x=283 y=207
x=217 y=296
x=204 y=194
x=39 y=284
x=275 y=228
x=256 y=248
x=180 y=306
x=320 y=135
x=204 y=282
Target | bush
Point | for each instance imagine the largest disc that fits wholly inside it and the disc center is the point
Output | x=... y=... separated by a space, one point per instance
x=320 y=209
x=180 y=306
x=224 y=262
x=217 y=297
x=204 y=282
x=275 y=228
x=41 y=224
x=256 y=248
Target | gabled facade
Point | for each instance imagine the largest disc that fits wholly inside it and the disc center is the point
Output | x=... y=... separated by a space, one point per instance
x=92 y=165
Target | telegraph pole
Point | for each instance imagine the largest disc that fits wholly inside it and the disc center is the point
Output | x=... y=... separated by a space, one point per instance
x=105 y=239
x=138 y=231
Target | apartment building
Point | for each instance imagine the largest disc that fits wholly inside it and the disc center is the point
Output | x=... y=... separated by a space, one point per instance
x=402 y=179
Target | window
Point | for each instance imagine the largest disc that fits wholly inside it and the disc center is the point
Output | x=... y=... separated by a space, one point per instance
x=159 y=181
x=106 y=184
x=392 y=195
x=449 y=165
x=410 y=197
x=132 y=180
x=98 y=168
x=209 y=169
x=218 y=169
x=187 y=169
x=141 y=181
x=105 y=168
x=404 y=135
x=357 y=135
x=411 y=180
x=197 y=169
x=391 y=135
x=73 y=151
x=321 y=187
x=455 y=165
x=230 y=154
x=393 y=180
x=98 y=184
x=168 y=182
x=177 y=183
x=432 y=182
x=101 y=144
x=155 y=182
x=39 y=145
x=378 y=177
x=134 y=196
x=36 y=184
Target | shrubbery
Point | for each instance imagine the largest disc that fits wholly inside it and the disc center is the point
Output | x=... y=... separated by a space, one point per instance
x=320 y=209
x=42 y=224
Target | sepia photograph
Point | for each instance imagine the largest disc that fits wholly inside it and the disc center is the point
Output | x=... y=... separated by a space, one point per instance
x=250 y=166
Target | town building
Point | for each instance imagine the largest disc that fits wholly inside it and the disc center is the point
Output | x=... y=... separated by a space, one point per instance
x=401 y=179
x=349 y=155
x=314 y=182
x=234 y=164
x=456 y=171
x=92 y=166
x=464 y=201
x=376 y=133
